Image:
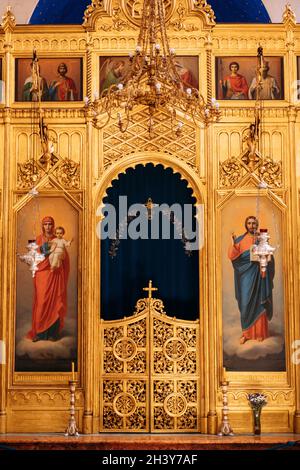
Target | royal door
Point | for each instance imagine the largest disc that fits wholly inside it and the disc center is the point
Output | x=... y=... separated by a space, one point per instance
x=150 y=372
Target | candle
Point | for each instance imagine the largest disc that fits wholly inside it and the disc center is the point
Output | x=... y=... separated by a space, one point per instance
x=73 y=371
x=224 y=375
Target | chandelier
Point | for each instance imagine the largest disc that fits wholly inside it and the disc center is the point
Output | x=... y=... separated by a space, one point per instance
x=152 y=80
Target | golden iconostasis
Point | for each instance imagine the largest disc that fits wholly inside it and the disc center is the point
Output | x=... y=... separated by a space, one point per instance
x=219 y=60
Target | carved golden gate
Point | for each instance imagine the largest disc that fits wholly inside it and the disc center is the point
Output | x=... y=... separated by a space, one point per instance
x=150 y=372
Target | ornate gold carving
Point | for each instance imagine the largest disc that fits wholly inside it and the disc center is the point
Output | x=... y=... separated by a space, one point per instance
x=138 y=365
x=162 y=420
x=47 y=161
x=268 y=113
x=63 y=43
x=29 y=174
x=162 y=331
x=111 y=364
x=235 y=41
x=41 y=389
x=271 y=172
x=111 y=388
x=68 y=174
x=162 y=389
x=111 y=335
x=188 y=389
x=251 y=161
x=143 y=304
x=175 y=404
x=137 y=332
x=161 y=364
x=124 y=349
x=137 y=421
x=275 y=398
x=49 y=113
x=188 y=365
x=204 y=7
x=233 y=170
x=96 y=5
x=8 y=20
x=128 y=354
x=118 y=24
x=137 y=389
x=39 y=378
x=289 y=16
x=180 y=23
x=52 y=398
x=208 y=69
x=111 y=421
x=132 y=9
x=136 y=139
x=124 y=404
x=89 y=68
x=66 y=171
x=189 y=421
x=158 y=306
x=188 y=335
x=174 y=349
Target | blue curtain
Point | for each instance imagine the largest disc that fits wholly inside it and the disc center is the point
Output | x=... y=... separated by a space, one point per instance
x=165 y=262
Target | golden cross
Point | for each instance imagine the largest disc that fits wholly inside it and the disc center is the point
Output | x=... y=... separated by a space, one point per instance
x=149 y=289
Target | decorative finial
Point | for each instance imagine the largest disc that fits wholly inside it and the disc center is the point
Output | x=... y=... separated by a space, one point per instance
x=289 y=15
x=95 y=5
x=150 y=289
x=8 y=20
x=206 y=9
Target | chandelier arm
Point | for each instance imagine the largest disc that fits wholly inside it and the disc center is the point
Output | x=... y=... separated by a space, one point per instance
x=101 y=126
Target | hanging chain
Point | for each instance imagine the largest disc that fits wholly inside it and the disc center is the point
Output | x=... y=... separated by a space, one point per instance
x=37 y=90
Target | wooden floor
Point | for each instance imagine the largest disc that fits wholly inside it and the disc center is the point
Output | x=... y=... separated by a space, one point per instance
x=149 y=442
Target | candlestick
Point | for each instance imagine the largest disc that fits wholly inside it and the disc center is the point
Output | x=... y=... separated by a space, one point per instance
x=225 y=429
x=72 y=429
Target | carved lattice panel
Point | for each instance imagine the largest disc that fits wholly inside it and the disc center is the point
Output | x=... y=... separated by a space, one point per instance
x=150 y=372
x=125 y=375
x=136 y=139
x=174 y=375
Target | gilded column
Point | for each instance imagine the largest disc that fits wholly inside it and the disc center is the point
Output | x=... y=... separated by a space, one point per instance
x=294 y=254
x=289 y=21
x=211 y=333
x=90 y=316
x=89 y=66
x=208 y=46
x=8 y=24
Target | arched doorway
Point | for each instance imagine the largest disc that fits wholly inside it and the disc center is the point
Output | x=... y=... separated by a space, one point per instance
x=162 y=252
x=150 y=361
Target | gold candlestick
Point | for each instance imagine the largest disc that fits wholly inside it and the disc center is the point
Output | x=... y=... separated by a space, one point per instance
x=225 y=429
x=72 y=429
